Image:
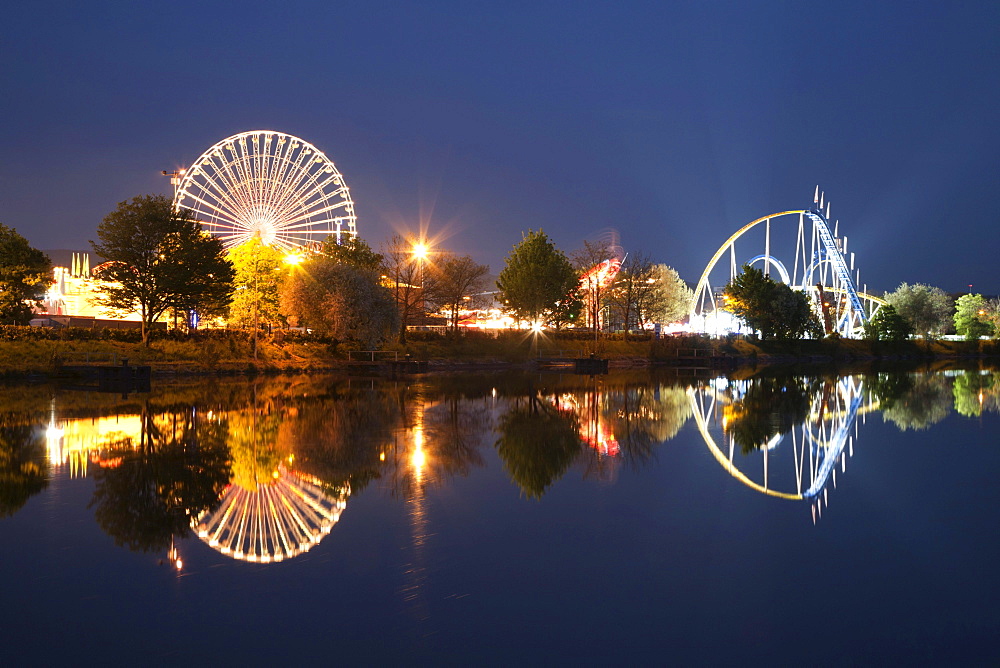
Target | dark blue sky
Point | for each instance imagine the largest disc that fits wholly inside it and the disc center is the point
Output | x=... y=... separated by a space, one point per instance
x=673 y=122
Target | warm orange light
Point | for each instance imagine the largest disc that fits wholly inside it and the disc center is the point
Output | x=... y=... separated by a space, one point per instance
x=420 y=251
x=293 y=259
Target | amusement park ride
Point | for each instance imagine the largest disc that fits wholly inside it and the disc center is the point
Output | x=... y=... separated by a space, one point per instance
x=822 y=268
x=270 y=184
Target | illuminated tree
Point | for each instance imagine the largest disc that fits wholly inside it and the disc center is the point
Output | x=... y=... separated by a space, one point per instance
x=339 y=300
x=157 y=259
x=972 y=317
x=259 y=271
x=927 y=308
x=645 y=292
x=25 y=274
x=887 y=325
x=536 y=279
x=772 y=308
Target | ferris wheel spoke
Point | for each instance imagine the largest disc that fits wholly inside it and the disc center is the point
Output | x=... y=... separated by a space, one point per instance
x=213 y=189
x=217 y=211
x=317 y=212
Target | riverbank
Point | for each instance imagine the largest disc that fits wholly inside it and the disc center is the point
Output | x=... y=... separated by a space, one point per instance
x=223 y=352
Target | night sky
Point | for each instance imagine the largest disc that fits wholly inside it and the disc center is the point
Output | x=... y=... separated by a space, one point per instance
x=674 y=123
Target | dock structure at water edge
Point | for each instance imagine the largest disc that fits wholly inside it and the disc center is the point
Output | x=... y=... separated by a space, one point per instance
x=589 y=366
x=106 y=372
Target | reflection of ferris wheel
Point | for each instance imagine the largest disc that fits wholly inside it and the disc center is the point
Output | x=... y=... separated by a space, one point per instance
x=269 y=184
x=278 y=520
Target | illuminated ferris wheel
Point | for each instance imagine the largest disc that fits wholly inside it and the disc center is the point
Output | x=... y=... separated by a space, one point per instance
x=267 y=184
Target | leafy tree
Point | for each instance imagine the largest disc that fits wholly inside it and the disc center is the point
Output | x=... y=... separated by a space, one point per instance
x=537 y=444
x=25 y=274
x=972 y=317
x=992 y=315
x=536 y=279
x=355 y=252
x=340 y=301
x=456 y=279
x=645 y=292
x=23 y=465
x=259 y=271
x=159 y=259
x=772 y=308
x=927 y=308
x=887 y=325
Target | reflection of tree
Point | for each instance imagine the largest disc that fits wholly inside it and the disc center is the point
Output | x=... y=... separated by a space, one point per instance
x=888 y=388
x=174 y=473
x=973 y=391
x=537 y=445
x=23 y=467
x=925 y=404
x=252 y=436
x=769 y=407
x=453 y=432
x=643 y=417
x=340 y=440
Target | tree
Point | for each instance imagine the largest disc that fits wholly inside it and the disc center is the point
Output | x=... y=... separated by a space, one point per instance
x=972 y=317
x=159 y=259
x=354 y=251
x=339 y=300
x=25 y=274
x=644 y=292
x=773 y=309
x=595 y=281
x=259 y=271
x=404 y=271
x=887 y=325
x=536 y=279
x=927 y=308
x=456 y=279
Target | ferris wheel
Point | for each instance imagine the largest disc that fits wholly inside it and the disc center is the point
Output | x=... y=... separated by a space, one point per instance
x=267 y=184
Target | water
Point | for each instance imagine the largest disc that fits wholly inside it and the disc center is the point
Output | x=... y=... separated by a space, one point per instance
x=500 y=519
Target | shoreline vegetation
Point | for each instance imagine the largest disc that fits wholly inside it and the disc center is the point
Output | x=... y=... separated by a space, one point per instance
x=32 y=352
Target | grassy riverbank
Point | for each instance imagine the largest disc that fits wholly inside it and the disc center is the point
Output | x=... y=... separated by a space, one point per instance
x=31 y=352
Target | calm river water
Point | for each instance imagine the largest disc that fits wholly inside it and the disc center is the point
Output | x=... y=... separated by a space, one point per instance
x=530 y=519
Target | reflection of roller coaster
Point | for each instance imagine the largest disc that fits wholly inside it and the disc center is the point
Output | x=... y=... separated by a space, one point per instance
x=279 y=520
x=818 y=445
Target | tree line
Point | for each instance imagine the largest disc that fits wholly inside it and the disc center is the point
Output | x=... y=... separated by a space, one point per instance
x=158 y=262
